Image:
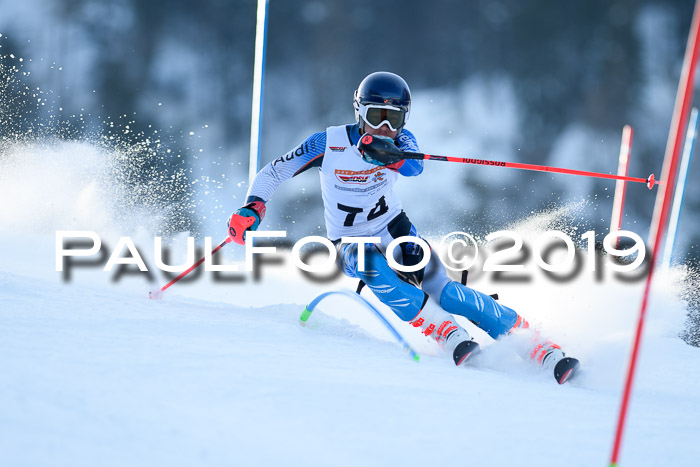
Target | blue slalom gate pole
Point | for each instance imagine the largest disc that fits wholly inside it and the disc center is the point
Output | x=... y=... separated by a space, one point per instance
x=678 y=195
x=306 y=314
x=258 y=77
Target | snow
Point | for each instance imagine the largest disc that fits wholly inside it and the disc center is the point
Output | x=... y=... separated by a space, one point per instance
x=221 y=373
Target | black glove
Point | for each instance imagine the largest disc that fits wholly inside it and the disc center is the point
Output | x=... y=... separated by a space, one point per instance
x=379 y=150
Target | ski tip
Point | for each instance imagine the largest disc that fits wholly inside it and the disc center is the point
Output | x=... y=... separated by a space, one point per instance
x=565 y=369
x=464 y=351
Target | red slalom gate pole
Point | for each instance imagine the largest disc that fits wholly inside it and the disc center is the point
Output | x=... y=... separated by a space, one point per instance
x=157 y=294
x=663 y=203
x=649 y=182
x=621 y=186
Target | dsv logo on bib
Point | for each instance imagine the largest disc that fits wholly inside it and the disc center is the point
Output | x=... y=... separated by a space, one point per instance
x=359 y=177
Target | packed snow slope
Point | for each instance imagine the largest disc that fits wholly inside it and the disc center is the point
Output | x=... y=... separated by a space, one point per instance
x=220 y=373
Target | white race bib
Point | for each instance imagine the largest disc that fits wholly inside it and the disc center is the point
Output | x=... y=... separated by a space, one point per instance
x=358 y=197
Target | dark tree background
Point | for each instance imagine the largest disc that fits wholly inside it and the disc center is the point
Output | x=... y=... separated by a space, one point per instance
x=186 y=69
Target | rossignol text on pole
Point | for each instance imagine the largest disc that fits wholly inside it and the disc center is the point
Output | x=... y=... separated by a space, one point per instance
x=649 y=181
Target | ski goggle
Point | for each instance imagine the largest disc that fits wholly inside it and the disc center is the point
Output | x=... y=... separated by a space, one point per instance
x=377 y=115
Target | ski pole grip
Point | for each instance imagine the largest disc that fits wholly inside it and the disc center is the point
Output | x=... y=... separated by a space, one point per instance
x=413 y=155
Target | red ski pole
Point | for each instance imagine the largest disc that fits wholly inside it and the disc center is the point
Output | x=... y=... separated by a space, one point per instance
x=650 y=181
x=244 y=223
x=158 y=293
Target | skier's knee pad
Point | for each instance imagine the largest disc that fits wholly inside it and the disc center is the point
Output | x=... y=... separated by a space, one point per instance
x=479 y=308
x=404 y=299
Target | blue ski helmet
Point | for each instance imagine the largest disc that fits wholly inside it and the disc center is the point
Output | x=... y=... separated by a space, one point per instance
x=382 y=98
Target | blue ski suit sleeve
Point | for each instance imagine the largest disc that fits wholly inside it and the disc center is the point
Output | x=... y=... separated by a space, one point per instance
x=407 y=142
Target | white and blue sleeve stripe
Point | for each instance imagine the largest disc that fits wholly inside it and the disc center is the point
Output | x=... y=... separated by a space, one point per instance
x=308 y=154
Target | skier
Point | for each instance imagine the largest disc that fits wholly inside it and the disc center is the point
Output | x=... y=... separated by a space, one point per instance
x=357 y=174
